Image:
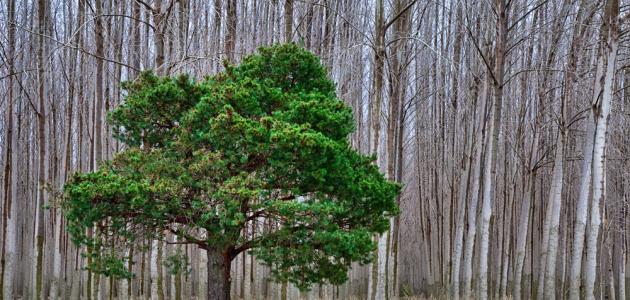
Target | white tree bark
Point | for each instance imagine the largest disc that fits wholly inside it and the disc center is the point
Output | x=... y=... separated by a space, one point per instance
x=486 y=214
x=154 y=269
x=544 y=249
x=489 y=183
x=458 y=244
x=521 y=240
x=248 y=290
x=474 y=200
x=601 y=110
x=581 y=214
x=459 y=230
x=9 y=192
x=56 y=260
x=379 y=292
x=12 y=223
x=621 y=276
x=555 y=200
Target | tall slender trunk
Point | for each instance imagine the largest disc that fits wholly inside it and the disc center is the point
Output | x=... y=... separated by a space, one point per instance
x=544 y=245
x=98 y=102
x=464 y=188
x=581 y=214
x=486 y=214
x=609 y=264
x=601 y=109
x=474 y=196
x=621 y=265
x=521 y=240
x=555 y=199
x=375 y=288
x=529 y=181
x=395 y=128
x=377 y=75
x=491 y=155
x=97 y=135
x=464 y=178
x=9 y=208
x=41 y=135
x=459 y=229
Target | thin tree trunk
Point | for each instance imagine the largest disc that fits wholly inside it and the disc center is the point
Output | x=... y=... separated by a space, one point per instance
x=98 y=102
x=601 y=110
x=375 y=287
x=41 y=126
x=395 y=129
x=528 y=182
x=582 y=211
x=623 y=259
x=555 y=200
x=474 y=198
x=464 y=193
x=9 y=222
x=491 y=155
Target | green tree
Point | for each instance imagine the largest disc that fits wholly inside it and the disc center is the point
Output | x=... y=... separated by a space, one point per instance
x=264 y=143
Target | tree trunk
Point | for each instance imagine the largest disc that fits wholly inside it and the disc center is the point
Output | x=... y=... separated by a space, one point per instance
x=183 y=27
x=397 y=90
x=461 y=212
x=474 y=198
x=524 y=217
x=160 y=24
x=217 y=32
x=230 y=38
x=601 y=109
x=219 y=264
x=41 y=135
x=493 y=144
x=621 y=265
x=98 y=109
x=288 y=21
x=464 y=188
x=555 y=200
x=375 y=289
x=9 y=208
x=581 y=213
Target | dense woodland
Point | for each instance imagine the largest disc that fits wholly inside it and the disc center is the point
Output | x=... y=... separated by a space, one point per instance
x=506 y=121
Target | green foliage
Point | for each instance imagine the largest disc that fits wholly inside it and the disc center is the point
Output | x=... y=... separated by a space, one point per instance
x=177 y=263
x=263 y=142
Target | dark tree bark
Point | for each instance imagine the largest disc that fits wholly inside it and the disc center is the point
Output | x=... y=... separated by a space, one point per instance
x=230 y=38
x=41 y=129
x=160 y=28
x=98 y=114
x=219 y=263
x=288 y=21
x=6 y=214
x=217 y=30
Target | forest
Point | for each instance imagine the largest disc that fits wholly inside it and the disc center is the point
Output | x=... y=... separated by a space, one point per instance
x=314 y=149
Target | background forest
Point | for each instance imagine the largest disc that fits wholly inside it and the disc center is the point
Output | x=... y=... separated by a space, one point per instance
x=506 y=121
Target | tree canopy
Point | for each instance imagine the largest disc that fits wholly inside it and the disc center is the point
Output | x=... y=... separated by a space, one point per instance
x=261 y=145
